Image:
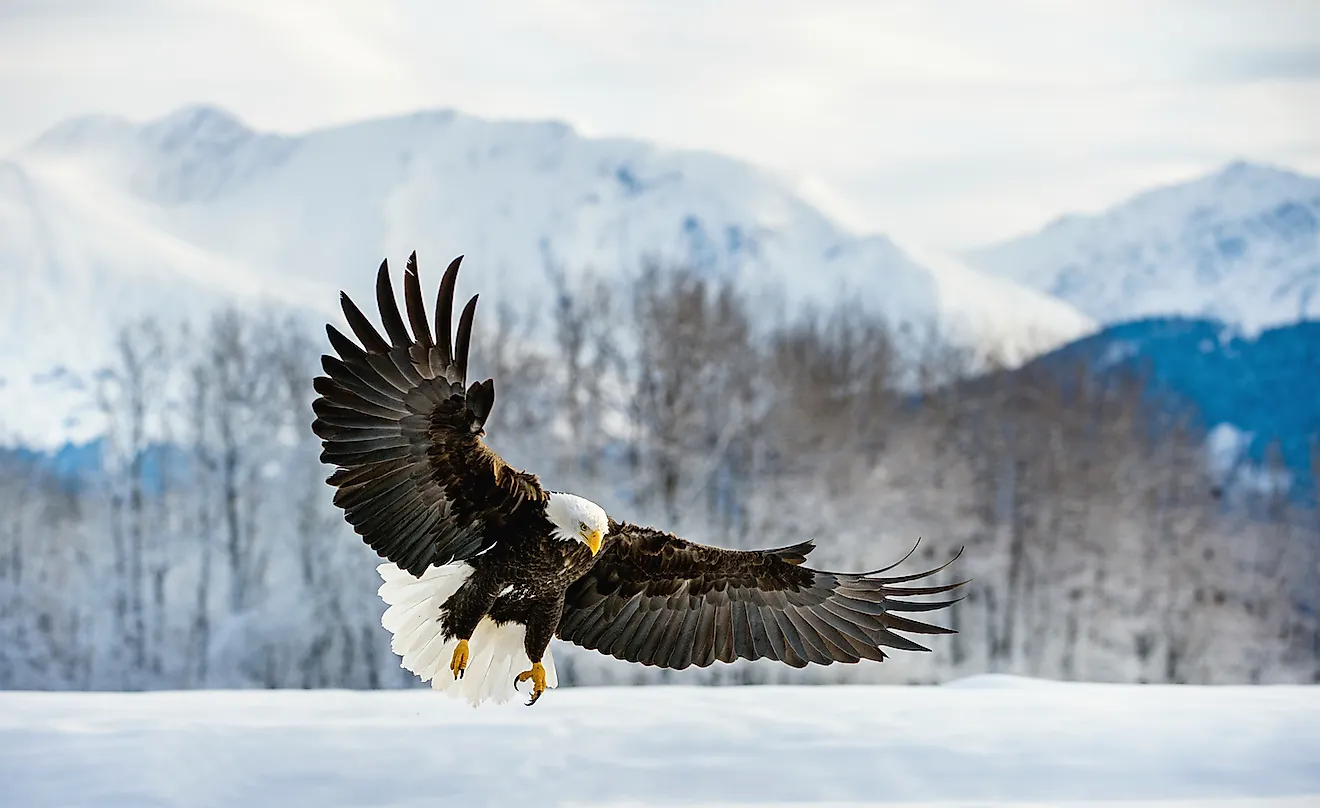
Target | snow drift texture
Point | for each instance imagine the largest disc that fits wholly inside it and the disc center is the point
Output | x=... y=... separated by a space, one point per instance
x=994 y=742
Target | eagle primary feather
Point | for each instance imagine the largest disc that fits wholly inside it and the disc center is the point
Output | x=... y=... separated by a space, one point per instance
x=414 y=479
x=480 y=554
x=656 y=599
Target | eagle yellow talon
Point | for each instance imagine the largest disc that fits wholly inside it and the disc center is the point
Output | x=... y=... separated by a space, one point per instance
x=537 y=675
x=459 y=663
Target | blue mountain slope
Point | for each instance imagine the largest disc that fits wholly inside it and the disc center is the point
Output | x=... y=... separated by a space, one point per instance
x=1266 y=385
x=70 y=463
x=73 y=465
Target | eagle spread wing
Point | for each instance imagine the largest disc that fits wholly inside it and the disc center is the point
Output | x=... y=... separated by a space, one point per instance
x=413 y=477
x=656 y=599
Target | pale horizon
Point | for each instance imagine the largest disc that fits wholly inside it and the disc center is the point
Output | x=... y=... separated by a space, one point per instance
x=952 y=129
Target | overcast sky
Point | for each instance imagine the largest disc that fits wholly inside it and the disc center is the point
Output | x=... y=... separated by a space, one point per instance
x=951 y=123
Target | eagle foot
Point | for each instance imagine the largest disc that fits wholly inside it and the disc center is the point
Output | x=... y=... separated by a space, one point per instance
x=537 y=675
x=460 y=660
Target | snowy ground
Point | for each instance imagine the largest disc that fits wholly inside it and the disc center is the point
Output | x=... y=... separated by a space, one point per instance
x=989 y=741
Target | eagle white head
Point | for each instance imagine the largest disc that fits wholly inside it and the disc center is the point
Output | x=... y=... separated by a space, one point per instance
x=577 y=519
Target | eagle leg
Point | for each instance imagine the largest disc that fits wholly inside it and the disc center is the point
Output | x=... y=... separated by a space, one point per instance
x=537 y=675
x=460 y=660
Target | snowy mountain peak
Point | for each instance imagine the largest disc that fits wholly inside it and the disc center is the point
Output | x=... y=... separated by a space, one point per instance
x=1242 y=174
x=185 y=128
x=1241 y=244
x=1240 y=189
x=199 y=134
x=190 y=155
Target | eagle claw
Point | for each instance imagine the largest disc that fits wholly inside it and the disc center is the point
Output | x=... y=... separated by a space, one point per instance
x=460 y=660
x=537 y=675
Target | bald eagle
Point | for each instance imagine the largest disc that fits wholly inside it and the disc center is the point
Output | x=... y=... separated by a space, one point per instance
x=485 y=566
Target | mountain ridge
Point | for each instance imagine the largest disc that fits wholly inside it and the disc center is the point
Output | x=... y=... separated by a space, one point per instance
x=1241 y=244
x=103 y=220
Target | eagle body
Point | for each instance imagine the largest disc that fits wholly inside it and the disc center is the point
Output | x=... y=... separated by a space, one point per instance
x=484 y=566
x=525 y=586
x=507 y=602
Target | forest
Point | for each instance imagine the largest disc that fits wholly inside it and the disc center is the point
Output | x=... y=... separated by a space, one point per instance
x=204 y=551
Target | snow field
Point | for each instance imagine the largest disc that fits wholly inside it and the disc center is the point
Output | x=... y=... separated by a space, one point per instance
x=987 y=741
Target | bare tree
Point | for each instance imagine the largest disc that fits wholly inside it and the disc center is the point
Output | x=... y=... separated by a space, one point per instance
x=130 y=395
x=692 y=402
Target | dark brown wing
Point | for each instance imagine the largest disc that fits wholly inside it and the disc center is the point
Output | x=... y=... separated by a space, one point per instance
x=414 y=478
x=656 y=599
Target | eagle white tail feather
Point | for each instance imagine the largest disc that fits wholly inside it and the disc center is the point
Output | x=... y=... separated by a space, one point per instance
x=413 y=617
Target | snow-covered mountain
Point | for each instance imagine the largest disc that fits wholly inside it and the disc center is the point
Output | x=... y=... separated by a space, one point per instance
x=103 y=219
x=1241 y=245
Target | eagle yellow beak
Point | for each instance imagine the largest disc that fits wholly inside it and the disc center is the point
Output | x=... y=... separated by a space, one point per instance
x=593 y=540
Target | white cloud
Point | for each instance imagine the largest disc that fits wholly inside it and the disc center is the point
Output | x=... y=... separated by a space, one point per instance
x=952 y=122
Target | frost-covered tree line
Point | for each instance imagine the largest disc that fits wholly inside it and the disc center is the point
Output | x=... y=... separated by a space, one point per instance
x=205 y=551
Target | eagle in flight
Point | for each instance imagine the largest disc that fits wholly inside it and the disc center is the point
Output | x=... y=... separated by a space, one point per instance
x=485 y=565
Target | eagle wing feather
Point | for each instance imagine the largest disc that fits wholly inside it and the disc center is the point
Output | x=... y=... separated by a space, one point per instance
x=413 y=477
x=654 y=598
